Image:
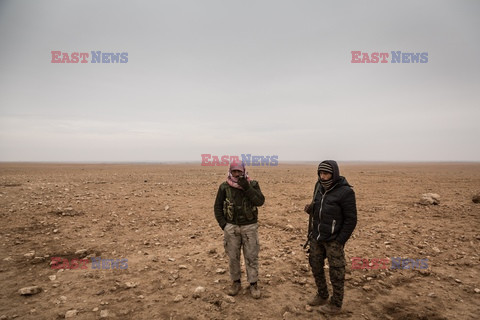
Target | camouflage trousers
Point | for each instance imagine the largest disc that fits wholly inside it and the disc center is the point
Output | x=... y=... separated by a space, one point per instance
x=237 y=238
x=333 y=251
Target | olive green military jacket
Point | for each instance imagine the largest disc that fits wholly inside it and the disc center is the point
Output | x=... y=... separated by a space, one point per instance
x=238 y=206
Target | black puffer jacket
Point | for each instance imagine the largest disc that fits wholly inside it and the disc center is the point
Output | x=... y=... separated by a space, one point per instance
x=335 y=210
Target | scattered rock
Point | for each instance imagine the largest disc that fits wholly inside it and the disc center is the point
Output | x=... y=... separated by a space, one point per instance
x=383 y=283
x=81 y=252
x=367 y=288
x=131 y=284
x=432 y=295
x=424 y=272
x=69 y=211
x=477 y=290
x=178 y=298
x=29 y=255
x=458 y=281
x=104 y=314
x=95 y=309
x=167 y=208
x=430 y=199
x=229 y=299
x=220 y=271
x=71 y=313
x=38 y=260
x=28 y=291
x=308 y=308
x=52 y=277
x=198 y=292
x=182 y=266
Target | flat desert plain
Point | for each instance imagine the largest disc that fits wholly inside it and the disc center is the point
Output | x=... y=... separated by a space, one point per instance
x=160 y=218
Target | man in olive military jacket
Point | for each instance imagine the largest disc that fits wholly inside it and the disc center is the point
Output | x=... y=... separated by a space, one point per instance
x=236 y=212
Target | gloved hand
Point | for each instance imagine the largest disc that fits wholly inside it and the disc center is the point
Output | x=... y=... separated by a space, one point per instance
x=243 y=182
x=308 y=208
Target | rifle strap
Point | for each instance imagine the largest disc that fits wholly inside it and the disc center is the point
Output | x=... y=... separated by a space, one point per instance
x=229 y=194
x=310 y=215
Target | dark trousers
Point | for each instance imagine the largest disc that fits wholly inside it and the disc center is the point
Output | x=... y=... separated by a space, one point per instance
x=333 y=251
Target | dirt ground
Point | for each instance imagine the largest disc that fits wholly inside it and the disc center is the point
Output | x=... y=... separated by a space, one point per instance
x=160 y=218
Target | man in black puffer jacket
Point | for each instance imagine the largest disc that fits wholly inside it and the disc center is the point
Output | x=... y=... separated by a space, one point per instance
x=333 y=217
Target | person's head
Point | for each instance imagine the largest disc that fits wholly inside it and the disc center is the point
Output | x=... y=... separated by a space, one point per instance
x=237 y=169
x=325 y=175
x=328 y=173
x=237 y=173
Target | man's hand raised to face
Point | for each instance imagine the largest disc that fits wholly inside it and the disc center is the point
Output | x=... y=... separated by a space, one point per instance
x=243 y=182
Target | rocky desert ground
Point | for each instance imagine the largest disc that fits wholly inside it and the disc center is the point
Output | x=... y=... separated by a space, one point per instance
x=159 y=217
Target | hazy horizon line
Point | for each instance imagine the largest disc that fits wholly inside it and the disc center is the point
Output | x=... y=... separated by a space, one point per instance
x=199 y=162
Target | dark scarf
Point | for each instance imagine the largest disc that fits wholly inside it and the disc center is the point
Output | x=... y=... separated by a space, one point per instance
x=326 y=184
x=326 y=167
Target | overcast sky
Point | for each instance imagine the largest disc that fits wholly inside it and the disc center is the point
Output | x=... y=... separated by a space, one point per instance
x=232 y=77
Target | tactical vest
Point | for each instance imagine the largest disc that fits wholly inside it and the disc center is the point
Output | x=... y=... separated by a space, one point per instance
x=234 y=213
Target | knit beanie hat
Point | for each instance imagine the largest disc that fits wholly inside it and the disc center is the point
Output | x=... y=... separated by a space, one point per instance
x=326 y=167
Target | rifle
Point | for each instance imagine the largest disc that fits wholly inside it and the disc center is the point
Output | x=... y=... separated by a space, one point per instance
x=310 y=221
x=310 y=216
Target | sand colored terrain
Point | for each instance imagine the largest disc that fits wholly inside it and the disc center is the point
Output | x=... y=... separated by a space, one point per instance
x=160 y=218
